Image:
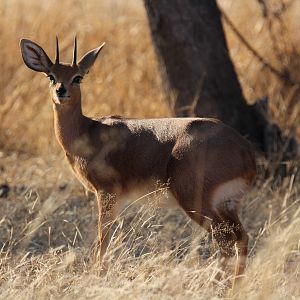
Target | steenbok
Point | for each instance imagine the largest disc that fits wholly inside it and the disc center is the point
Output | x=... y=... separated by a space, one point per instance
x=207 y=165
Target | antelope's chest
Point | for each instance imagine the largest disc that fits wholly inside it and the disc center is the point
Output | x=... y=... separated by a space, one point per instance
x=82 y=171
x=95 y=174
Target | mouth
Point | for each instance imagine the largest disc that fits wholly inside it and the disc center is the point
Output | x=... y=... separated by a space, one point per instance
x=63 y=99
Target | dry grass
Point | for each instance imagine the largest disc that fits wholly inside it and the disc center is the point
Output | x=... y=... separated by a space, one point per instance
x=276 y=38
x=124 y=81
x=48 y=223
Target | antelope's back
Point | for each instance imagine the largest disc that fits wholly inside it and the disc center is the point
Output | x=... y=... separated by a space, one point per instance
x=149 y=143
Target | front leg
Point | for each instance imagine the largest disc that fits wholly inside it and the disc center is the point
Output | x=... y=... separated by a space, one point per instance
x=106 y=205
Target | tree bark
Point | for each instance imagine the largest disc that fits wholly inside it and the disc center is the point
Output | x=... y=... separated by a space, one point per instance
x=196 y=67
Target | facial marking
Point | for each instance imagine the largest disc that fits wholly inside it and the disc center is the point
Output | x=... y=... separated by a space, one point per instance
x=52 y=78
x=76 y=79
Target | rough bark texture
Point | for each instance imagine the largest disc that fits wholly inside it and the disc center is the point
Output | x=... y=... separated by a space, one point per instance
x=195 y=63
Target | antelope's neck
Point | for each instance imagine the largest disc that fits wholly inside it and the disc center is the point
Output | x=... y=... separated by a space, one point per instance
x=69 y=125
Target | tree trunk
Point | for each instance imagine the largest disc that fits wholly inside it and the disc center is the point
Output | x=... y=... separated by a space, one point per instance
x=196 y=67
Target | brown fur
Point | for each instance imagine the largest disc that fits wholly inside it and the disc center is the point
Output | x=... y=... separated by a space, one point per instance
x=112 y=155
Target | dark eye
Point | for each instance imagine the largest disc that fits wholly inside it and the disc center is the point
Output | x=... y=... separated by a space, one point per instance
x=52 y=79
x=77 y=79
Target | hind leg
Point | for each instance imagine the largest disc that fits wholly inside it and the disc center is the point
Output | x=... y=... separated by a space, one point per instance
x=232 y=239
x=238 y=239
x=205 y=205
x=227 y=230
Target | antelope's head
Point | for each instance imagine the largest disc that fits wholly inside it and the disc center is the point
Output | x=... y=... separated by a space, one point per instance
x=64 y=78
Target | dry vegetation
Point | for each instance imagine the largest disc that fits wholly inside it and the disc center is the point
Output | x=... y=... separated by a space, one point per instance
x=48 y=222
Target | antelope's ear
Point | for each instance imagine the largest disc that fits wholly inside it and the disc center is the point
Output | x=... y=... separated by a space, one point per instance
x=35 y=57
x=87 y=61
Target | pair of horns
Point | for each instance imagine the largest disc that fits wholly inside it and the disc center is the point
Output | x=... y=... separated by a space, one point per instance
x=74 y=52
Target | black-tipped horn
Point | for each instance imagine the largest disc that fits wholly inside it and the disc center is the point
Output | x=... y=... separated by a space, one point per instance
x=57 y=52
x=74 y=52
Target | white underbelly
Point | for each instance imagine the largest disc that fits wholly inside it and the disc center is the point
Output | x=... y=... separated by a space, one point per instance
x=148 y=194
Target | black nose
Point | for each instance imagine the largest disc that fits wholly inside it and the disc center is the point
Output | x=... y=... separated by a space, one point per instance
x=60 y=91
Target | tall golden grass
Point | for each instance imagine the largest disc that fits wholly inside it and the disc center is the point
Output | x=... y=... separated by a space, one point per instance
x=48 y=222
